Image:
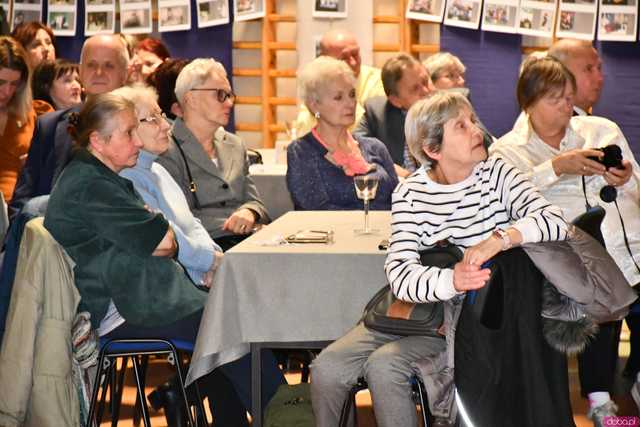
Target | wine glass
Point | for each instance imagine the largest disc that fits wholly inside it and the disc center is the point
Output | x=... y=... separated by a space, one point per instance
x=366 y=188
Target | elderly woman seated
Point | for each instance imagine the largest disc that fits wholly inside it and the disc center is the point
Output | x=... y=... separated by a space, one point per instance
x=321 y=165
x=446 y=70
x=208 y=163
x=561 y=155
x=125 y=251
x=483 y=206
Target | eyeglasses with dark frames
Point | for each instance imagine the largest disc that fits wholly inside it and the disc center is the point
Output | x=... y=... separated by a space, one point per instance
x=221 y=94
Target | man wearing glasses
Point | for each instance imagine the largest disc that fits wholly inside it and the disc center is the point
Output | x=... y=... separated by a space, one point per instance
x=208 y=163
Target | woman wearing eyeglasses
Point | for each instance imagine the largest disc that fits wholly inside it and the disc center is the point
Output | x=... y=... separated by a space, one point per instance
x=209 y=163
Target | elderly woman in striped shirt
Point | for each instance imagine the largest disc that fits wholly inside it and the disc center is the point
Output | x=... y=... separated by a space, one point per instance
x=481 y=205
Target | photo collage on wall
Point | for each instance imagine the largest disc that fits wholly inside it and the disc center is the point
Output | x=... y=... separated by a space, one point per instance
x=62 y=17
x=500 y=16
x=463 y=13
x=212 y=12
x=174 y=15
x=135 y=16
x=577 y=19
x=425 y=10
x=536 y=18
x=25 y=11
x=99 y=17
x=618 y=20
x=245 y=10
x=329 y=9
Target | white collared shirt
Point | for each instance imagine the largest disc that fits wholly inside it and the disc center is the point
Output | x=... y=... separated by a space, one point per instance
x=523 y=148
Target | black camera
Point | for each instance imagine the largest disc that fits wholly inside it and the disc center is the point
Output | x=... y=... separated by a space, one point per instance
x=612 y=156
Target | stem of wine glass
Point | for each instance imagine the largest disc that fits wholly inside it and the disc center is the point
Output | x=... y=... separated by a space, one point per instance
x=366 y=215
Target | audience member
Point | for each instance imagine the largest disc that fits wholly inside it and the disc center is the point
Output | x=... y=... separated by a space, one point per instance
x=103 y=68
x=322 y=164
x=163 y=79
x=342 y=45
x=583 y=61
x=446 y=70
x=57 y=83
x=208 y=163
x=38 y=40
x=148 y=54
x=559 y=154
x=440 y=201
x=405 y=81
x=122 y=249
x=17 y=113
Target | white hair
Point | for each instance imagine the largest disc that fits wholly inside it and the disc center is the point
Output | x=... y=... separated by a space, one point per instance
x=316 y=75
x=196 y=73
x=442 y=61
x=139 y=94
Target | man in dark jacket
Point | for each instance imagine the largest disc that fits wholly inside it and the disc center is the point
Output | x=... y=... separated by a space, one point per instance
x=103 y=67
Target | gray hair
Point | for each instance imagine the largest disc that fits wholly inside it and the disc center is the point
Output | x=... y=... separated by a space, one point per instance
x=424 y=126
x=436 y=64
x=196 y=73
x=316 y=75
x=139 y=94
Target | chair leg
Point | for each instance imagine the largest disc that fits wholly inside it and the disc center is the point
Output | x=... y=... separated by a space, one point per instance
x=424 y=404
x=101 y=377
x=349 y=406
x=138 y=404
x=175 y=360
x=139 y=385
x=117 y=389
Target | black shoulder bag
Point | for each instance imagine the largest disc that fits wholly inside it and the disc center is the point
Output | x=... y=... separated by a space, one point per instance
x=386 y=313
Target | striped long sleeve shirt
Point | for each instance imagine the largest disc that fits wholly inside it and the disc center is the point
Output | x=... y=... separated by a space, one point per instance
x=495 y=195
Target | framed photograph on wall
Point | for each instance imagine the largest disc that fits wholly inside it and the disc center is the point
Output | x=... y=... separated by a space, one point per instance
x=61 y=17
x=329 y=9
x=212 y=13
x=25 y=11
x=500 y=17
x=464 y=13
x=618 y=20
x=425 y=10
x=577 y=19
x=536 y=18
x=245 y=10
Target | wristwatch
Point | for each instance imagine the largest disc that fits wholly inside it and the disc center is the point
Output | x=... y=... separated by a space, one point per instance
x=504 y=236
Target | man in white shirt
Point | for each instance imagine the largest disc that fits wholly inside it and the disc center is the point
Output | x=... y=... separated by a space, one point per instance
x=580 y=57
x=342 y=45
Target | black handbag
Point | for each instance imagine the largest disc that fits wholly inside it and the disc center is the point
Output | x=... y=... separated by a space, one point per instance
x=385 y=313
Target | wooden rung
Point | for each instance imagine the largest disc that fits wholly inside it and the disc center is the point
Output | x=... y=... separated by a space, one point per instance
x=247 y=72
x=530 y=49
x=282 y=73
x=385 y=47
x=249 y=100
x=274 y=17
x=387 y=19
x=282 y=45
x=282 y=101
x=425 y=48
x=247 y=45
x=249 y=127
x=278 y=127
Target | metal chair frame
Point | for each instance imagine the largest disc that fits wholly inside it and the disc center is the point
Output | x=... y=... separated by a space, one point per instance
x=138 y=350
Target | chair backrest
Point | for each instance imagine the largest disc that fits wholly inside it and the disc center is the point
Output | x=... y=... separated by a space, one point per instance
x=590 y=223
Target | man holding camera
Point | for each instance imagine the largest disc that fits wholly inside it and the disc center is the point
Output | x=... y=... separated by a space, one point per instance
x=564 y=157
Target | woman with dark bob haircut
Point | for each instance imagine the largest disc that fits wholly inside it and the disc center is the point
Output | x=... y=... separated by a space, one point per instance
x=57 y=82
x=38 y=40
x=163 y=79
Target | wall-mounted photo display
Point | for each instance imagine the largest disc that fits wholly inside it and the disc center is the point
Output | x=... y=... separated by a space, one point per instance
x=245 y=10
x=99 y=17
x=174 y=15
x=329 y=9
x=500 y=16
x=577 y=19
x=62 y=17
x=618 y=20
x=212 y=12
x=426 y=10
x=135 y=16
x=463 y=13
x=536 y=18
x=25 y=11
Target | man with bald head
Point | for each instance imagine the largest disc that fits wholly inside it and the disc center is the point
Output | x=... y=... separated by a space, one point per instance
x=103 y=67
x=580 y=57
x=342 y=45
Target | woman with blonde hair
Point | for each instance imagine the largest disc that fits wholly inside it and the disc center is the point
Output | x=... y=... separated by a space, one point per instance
x=17 y=114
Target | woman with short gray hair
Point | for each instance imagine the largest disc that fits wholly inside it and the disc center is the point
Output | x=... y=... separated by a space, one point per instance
x=322 y=164
x=446 y=70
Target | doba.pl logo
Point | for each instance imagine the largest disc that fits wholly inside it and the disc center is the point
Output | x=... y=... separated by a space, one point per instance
x=621 y=421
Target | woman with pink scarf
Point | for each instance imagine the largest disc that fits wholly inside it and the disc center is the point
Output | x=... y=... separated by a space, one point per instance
x=323 y=163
